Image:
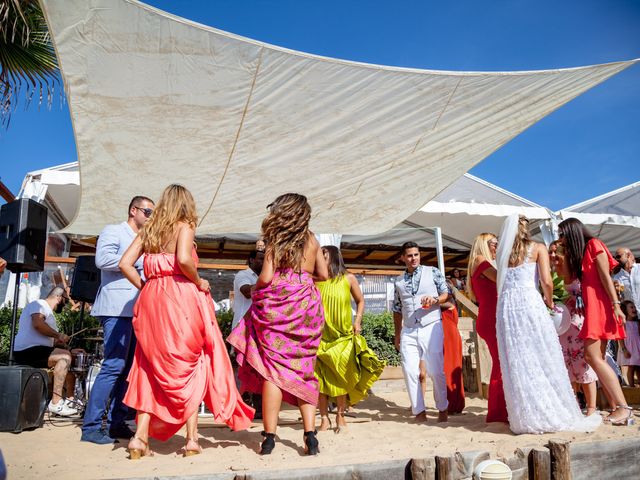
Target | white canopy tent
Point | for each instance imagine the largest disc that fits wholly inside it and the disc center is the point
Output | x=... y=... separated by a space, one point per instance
x=157 y=99
x=614 y=217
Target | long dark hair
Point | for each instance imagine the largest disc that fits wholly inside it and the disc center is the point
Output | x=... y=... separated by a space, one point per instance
x=576 y=236
x=336 y=263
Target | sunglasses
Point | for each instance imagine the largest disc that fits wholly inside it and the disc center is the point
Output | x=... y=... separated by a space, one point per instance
x=618 y=257
x=146 y=211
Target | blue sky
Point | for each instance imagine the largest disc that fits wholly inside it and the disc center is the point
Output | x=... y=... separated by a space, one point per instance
x=586 y=148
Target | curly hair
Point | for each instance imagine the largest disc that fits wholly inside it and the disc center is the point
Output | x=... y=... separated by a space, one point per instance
x=176 y=205
x=521 y=242
x=285 y=230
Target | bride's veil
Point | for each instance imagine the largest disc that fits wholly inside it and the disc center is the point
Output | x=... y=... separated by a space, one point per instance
x=505 y=245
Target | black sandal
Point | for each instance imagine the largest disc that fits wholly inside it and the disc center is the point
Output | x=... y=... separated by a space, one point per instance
x=268 y=444
x=311 y=446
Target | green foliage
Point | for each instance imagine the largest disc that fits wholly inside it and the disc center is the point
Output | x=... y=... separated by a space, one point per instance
x=224 y=322
x=559 y=292
x=379 y=332
x=5 y=331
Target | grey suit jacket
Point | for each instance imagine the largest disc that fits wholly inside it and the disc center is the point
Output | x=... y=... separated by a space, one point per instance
x=116 y=295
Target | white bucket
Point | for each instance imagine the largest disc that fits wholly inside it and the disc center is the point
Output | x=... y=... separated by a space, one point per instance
x=492 y=470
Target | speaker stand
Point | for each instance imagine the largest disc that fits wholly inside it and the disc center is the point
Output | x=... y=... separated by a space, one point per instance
x=16 y=293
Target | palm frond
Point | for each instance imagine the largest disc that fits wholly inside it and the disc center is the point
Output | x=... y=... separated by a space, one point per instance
x=27 y=58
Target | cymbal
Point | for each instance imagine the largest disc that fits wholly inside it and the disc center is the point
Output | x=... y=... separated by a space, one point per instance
x=93 y=339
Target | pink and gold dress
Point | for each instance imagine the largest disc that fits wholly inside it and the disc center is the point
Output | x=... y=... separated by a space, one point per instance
x=278 y=338
x=180 y=359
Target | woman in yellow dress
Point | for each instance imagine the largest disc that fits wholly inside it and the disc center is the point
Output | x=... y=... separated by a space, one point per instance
x=345 y=367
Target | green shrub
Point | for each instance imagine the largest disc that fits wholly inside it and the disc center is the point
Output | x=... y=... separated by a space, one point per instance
x=379 y=332
x=224 y=322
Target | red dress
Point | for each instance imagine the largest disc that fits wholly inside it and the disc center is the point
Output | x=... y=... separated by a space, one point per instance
x=180 y=358
x=599 y=322
x=453 y=360
x=486 y=293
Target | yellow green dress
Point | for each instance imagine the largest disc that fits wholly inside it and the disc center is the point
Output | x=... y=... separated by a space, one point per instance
x=345 y=364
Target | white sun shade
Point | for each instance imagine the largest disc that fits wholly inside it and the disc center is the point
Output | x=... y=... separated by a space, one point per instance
x=156 y=99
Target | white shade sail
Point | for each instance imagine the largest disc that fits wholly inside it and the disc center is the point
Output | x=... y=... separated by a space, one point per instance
x=614 y=217
x=157 y=99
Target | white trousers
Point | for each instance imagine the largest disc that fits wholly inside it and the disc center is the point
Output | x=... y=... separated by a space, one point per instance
x=424 y=343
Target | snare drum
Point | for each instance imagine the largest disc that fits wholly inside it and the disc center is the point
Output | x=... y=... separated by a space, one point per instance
x=81 y=362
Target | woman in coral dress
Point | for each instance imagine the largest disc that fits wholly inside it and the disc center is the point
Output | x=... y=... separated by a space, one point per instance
x=481 y=285
x=452 y=355
x=180 y=358
x=346 y=367
x=589 y=260
x=277 y=340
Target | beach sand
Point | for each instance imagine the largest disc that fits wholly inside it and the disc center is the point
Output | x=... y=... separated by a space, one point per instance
x=381 y=429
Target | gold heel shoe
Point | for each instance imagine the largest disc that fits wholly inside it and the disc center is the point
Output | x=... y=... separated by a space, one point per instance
x=138 y=453
x=190 y=453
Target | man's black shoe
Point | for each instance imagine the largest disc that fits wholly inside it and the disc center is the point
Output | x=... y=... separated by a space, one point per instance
x=121 y=431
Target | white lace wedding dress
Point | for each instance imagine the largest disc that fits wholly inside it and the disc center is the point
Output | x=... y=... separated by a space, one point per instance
x=536 y=383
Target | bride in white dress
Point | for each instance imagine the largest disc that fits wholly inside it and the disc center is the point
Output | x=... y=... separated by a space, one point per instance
x=536 y=383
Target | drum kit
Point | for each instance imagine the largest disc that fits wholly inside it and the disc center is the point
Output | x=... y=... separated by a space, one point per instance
x=86 y=366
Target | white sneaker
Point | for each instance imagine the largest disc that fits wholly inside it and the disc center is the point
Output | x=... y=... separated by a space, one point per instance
x=61 y=409
x=74 y=403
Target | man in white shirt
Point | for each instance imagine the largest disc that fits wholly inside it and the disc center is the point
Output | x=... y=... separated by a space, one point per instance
x=628 y=276
x=419 y=292
x=244 y=284
x=36 y=342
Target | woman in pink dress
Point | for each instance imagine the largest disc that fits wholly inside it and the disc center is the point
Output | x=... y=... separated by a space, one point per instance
x=629 y=349
x=277 y=340
x=180 y=359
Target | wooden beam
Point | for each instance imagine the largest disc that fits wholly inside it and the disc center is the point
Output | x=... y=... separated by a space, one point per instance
x=560 y=459
x=6 y=193
x=364 y=254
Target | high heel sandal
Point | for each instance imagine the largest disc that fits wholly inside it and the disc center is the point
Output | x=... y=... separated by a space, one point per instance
x=189 y=453
x=268 y=443
x=138 y=453
x=311 y=446
x=324 y=418
x=628 y=421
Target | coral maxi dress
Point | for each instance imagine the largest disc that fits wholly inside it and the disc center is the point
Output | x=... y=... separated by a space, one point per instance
x=180 y=359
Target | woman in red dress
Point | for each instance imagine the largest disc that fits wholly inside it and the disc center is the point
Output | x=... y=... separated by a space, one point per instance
x=481 y=287
x=180 y=358
x=589 y=260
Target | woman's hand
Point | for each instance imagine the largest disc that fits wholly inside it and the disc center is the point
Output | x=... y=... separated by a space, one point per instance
x=619 y=316
x=204 y=285
x=357 y=327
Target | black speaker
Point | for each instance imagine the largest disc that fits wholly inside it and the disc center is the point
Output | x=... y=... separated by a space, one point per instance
x=23 y=235
x=86 y=279
x=23 y=398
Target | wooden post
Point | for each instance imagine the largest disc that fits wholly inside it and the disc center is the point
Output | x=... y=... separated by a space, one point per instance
x=473 y=310
x=421 y=469
x=539 y=464
x=444 y=468
x=560 y=459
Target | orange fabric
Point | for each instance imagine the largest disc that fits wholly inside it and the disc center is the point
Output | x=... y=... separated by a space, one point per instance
x=180 y=358
x=599 y=322
x=453 y=360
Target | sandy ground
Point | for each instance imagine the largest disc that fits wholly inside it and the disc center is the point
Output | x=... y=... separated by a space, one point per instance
x=380 y=430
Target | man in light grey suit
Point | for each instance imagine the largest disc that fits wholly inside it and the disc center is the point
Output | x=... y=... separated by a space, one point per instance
x=114 y=307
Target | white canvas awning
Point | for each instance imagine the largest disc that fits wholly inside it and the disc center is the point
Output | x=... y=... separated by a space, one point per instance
x=614 y=217
x=157 y=99
x=466 y=208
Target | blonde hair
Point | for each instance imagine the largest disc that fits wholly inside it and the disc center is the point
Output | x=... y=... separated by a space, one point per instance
x=285 y=230
x=479 y=248
x=176 y=205
x=521 y=242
